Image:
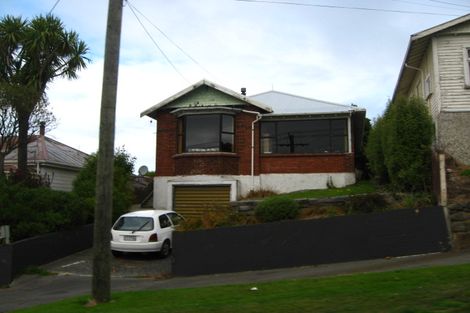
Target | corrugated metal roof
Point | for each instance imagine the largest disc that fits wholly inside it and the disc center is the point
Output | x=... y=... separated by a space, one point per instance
x=285 y=104
x=417 y=46
x=43 y=149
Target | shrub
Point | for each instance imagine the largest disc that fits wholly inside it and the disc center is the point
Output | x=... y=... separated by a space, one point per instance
x=217 y=217
x=35 y=211
x=366 y=204
x=276 y=209
x=84 y=185
x=399 y=146
x=465 y=173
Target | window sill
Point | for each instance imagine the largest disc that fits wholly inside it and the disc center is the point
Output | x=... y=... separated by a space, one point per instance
x=205 y=154
x=283 y=155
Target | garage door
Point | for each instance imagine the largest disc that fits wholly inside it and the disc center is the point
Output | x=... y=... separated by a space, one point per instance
x=193 y=201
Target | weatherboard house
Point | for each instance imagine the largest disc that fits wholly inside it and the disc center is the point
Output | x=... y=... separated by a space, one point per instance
x=54 y=162
x=215 y=145
x=437 y=68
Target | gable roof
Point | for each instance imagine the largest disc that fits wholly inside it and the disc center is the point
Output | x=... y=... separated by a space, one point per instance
x=285 y=104
x=244 y=99
x=48 y=151
x=417 y=46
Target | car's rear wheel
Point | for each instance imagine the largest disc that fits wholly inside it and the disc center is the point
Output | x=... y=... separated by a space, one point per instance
x=166 y=249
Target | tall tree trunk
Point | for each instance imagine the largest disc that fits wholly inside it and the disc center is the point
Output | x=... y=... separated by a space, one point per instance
x=23 y=127
x=101 y=282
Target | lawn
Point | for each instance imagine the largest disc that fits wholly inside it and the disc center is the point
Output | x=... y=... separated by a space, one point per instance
x=362 y=187
x=438 y=289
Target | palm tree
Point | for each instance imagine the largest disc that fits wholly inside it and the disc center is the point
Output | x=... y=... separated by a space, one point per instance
x=32 y=54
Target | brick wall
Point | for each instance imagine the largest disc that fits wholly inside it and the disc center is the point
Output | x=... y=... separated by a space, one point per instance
x=331 y=163
x=206 y=164
x=166 y=144
x=243 y=142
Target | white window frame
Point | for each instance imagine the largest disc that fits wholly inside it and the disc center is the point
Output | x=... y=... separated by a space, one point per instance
x=466 y=66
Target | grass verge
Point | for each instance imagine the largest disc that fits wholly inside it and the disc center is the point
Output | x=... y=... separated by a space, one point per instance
x=437 y=289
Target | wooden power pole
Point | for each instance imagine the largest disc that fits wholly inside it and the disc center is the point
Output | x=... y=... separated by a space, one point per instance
x=101 y=283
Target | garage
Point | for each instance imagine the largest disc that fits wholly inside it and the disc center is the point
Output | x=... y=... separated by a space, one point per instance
x=193 y=201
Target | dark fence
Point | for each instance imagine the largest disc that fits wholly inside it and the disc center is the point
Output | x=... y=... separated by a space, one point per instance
x=16 y=257
x=308 y=242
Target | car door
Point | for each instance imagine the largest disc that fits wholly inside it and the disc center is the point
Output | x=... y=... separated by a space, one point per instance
x=166 y=227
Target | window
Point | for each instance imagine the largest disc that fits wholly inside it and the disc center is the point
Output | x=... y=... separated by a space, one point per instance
x=164 y=221
x=466 y=64
x=134 y=223
x=206 y=133
x=305 y=136
x=427 y=87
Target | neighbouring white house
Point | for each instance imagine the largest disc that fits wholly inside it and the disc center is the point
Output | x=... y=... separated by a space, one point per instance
x=215 y=145
x=437 y=68
x=55 y=162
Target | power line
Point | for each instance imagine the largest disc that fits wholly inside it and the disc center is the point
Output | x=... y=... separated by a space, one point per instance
x=450 y=3
x=156 y=44
x=53 y=7
x=344 y=7
x=426 y=5
x=169 y=39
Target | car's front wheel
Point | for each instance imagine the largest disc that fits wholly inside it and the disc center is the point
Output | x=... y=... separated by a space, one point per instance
x=166 y=249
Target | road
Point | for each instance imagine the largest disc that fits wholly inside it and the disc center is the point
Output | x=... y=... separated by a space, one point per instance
x=31 y=290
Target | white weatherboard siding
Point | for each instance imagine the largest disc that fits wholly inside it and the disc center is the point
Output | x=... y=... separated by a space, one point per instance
x=240 y=185
x=60 y=179
x=454 y=95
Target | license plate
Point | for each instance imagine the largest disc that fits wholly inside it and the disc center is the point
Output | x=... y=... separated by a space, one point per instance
x=129 y=238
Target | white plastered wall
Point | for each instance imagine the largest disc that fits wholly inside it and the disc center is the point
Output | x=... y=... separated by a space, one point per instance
x=241 y=185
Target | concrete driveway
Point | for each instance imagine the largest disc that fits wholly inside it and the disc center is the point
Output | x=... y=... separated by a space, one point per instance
x=30 y=290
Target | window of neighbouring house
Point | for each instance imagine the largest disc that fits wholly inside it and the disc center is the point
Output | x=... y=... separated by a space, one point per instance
x=304 y=136
x=206 y=133
x=427 y=87
x=466 y=64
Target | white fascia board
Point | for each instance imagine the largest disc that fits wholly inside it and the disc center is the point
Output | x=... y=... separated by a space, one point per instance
x=210 y=84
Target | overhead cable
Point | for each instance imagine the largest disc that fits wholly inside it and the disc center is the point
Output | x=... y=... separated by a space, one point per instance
x=53 y=7
x=170 y=40
x=344 y=7
x=156 y=44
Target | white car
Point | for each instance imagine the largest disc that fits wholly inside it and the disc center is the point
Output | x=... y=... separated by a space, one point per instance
x=145 y=231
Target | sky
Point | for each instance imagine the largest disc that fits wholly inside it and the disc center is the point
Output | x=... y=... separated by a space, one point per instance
x=318 y=49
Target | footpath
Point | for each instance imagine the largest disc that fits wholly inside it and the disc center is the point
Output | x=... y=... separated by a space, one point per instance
x=30 y=290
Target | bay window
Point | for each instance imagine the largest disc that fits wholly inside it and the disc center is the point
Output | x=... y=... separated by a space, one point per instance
x=206 y=133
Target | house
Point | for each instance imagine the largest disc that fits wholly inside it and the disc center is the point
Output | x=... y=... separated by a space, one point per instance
x=437 y=68
x=55 y=162
x=215 y=145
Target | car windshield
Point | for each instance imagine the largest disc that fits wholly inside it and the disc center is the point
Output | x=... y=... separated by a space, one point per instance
x=134 y=223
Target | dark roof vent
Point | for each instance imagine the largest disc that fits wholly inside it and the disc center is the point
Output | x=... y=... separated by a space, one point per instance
x=243 y=91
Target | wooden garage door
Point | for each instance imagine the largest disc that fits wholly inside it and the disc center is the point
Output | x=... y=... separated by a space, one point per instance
x=192 y=201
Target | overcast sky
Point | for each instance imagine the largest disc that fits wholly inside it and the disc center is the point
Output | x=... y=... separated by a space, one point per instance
x=329 y=53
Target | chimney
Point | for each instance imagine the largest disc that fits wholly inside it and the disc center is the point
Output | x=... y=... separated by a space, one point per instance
x=243 y=91
x=42 y=128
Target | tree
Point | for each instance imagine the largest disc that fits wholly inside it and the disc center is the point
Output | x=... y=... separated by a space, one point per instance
x=399 y=146
x=85 y=182
x=32 y=54
x=9 y=124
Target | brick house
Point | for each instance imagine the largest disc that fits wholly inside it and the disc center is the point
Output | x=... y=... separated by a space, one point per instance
x=215 y=145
